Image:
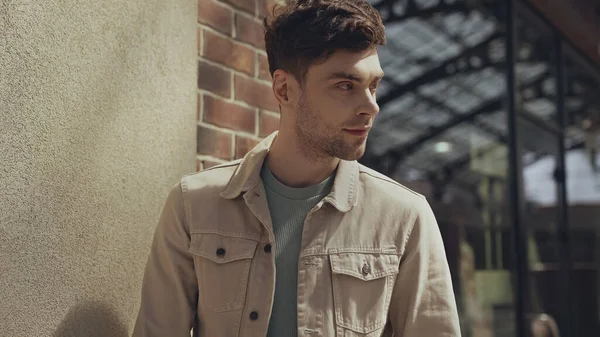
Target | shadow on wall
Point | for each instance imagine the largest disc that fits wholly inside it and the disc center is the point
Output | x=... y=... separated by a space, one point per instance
x=91 y=319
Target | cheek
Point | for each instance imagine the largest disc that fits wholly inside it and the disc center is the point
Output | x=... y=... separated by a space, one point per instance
x=330 y=108
x=332 y=116
x=322 y=108
x=340 y=107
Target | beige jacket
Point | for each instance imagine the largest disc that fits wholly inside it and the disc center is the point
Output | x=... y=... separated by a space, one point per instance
x=372 y=261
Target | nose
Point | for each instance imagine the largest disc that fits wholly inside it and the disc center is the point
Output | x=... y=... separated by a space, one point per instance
x=370 y=106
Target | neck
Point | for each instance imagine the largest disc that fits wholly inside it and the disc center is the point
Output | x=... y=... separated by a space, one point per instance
x=294 y=167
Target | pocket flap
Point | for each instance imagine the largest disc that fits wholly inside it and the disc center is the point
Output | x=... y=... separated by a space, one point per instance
x=365 y=266
x=222 y=249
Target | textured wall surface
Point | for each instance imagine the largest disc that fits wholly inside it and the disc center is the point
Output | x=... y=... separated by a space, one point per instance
x=97 y=122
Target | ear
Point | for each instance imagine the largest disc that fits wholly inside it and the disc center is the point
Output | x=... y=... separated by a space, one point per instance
x=281 y=87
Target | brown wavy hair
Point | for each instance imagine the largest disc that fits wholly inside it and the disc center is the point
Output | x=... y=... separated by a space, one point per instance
x=304 y=32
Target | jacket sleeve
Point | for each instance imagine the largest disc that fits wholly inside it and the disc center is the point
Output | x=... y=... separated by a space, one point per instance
x=423 y=301
x=169 y=286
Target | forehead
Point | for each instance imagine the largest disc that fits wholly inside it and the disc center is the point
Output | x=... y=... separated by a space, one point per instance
x=363 y=63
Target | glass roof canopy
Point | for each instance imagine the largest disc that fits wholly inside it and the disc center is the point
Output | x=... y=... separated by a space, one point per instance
x=445 y=85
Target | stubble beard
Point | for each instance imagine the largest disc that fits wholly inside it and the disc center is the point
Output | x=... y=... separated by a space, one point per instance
x=318 y=141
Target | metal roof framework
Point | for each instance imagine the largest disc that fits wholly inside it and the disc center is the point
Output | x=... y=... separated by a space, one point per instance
x=443 y=98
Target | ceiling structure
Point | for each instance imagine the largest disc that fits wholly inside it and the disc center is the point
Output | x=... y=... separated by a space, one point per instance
x=443 y=97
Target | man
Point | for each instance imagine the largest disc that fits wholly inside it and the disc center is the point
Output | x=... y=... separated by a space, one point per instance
x=297 y=238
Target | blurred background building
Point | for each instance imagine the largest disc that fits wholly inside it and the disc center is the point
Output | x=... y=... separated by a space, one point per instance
x=491 y=109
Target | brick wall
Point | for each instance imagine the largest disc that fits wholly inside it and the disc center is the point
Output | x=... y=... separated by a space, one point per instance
x=236 y=106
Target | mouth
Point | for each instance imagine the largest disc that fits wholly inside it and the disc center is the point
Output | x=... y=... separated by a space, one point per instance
x=358 y=132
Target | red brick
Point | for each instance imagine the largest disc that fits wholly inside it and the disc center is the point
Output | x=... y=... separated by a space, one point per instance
x=265 y=7
x=214 y=143
x=243 y=145
x=250 y=31
x=198 y=107
x=214 y=79
x=246 y=5
x=225 y=51
x=199 y=41
x=209 y=163
x=228 y=115
x=215 y=15
x=255 y=93
x=267 y=124
x=263 y=67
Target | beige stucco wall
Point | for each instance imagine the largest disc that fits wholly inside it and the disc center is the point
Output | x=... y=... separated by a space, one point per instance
x=97 y=123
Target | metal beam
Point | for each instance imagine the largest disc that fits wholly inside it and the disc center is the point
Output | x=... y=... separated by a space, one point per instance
x=487 y=107
x=483 y=61
x=587 y=91
x=568 y=312
x=584 y=91
x=435 y=131
x=413 y=10
x=461 y=162
x=459 y=63
x=516 y=203
x=473 y=59
x=493 y=132
x=477 y=61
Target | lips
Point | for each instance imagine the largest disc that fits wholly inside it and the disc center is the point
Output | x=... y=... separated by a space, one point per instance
x=359 y=132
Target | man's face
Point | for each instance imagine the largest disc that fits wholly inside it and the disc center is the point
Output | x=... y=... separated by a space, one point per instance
x=337 y=106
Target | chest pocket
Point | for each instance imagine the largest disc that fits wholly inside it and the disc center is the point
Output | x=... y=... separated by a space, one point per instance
x=362 y=288
x=222 y=266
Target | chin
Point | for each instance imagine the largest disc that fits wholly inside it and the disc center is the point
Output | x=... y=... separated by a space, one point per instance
x=354 y=155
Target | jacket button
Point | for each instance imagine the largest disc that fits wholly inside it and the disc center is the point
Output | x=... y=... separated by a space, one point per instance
x=221 y=252
x=254 y=315
x=267 y=248
x=366 y=269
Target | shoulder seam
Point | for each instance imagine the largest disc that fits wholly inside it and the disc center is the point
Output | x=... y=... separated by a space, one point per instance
x=186 y=211
x=224 y=165
x=391 y=181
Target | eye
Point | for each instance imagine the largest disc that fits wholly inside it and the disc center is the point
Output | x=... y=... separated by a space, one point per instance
x=346 y=86
x=374 y=86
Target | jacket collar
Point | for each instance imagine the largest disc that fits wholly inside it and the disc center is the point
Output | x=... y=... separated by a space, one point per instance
x=343 y=195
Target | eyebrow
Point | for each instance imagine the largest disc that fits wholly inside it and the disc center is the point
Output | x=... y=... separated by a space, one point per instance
x=351 y=77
